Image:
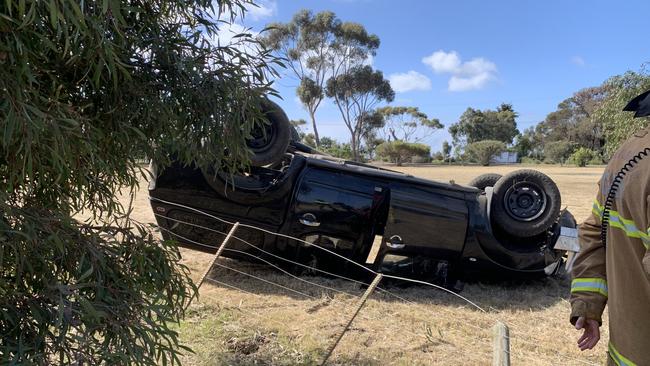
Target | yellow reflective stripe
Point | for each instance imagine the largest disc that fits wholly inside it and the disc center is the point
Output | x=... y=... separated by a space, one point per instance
x=619 y=359
x=597 y=209
x=627 y=226
x=597 y=285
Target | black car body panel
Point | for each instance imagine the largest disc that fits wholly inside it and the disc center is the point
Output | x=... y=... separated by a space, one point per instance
x=343 y=207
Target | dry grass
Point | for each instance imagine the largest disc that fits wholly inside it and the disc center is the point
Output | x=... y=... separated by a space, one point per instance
x=274 y=326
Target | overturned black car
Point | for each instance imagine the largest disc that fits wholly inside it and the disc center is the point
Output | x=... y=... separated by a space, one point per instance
x=504 y=227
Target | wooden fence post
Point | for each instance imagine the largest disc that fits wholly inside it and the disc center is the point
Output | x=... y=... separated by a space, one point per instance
x=501 y=345
x=362 y=301
x=218 y=253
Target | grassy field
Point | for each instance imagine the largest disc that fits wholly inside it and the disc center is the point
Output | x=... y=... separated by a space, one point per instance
x=269 y=325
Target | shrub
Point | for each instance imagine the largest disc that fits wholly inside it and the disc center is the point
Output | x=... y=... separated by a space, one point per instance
x=420 y=159
x=558 y=151
x=400 y=151
x=582 y=156
x=529 y=160
x=483 y=151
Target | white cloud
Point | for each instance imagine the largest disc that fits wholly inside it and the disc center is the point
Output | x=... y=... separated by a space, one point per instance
x=264 y=9
x=227 y=32
x=412 y=80
x=465 y=83
x=443 y=62
x=226 y=36
x=578 y=61
x=468 y=75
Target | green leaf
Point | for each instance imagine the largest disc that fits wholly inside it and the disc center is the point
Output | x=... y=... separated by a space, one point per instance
x=53 y=13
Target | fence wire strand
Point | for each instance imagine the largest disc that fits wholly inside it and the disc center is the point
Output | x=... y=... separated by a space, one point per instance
x=319 y=247
x=522 y=339
x=265 y=262
x=259 y=249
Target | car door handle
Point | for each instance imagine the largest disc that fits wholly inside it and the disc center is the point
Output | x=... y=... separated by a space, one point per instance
x=395 y=242
x=309 y=219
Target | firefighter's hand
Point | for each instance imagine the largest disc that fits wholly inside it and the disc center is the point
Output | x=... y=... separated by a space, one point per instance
x=591 y=334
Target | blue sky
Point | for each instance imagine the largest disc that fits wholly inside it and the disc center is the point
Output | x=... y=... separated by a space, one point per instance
x=445 y=56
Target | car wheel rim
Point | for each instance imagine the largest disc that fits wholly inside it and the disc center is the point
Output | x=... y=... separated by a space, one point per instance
x=525 y=201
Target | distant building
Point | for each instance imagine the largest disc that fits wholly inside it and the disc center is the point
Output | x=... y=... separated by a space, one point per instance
x=505 y=157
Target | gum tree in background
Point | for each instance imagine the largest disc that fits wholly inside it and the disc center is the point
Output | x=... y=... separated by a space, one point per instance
x=86 y=87
x=475 y=125
x=317 y=47
x=558 y=151
x=356 y=94
x=446 y=151
x=619 y=125
x=574 y=121
x=407 y=124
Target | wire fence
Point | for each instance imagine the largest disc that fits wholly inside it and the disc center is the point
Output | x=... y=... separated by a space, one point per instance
x=349 y=305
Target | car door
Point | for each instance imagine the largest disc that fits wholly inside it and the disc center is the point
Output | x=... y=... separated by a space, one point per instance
x=336 y=210
x=425 y=220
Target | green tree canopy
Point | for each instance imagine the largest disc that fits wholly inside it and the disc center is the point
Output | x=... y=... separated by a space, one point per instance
x=476 y=125
x=446 y=150
x=356 y=93
x=86 y=87
x=317 y=47
x=620 y=125
x=524 y=144
x=558 y=151
x=483 y=151
x=335 y=148
x=582 y=156
x=574 y=121
x=407 y=124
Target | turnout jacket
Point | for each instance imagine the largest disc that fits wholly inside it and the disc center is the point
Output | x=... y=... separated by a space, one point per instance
x=618 y=274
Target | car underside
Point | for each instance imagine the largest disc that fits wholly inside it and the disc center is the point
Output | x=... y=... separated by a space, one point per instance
x=504 y=227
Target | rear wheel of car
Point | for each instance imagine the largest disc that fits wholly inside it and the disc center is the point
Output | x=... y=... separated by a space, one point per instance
x=525 y=203
x=270 y=140
x=485 y=180
x=259 y=184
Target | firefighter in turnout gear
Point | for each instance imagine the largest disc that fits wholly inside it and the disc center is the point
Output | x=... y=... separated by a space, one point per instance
x=617 y=271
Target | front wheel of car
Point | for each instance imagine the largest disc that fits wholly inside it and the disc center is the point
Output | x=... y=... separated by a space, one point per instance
x=525 y=203
x=485 y=180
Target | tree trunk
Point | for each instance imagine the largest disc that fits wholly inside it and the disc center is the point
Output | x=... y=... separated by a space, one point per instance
x=355 y=148
x=312 y=115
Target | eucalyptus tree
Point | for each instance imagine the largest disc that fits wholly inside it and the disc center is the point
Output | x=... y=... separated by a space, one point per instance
x=446 y=150
x=87 y=87
x=356 y=93
x=619 y=90
x=477 y=125
x=407 y=124
x=317 y=47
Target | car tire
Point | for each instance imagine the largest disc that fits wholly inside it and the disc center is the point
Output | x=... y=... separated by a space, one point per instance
x=525 y=203
x=485 y=180
x=270 y=141
x=259 y=186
